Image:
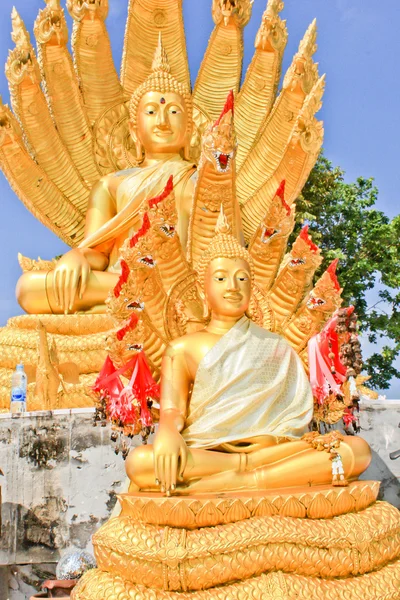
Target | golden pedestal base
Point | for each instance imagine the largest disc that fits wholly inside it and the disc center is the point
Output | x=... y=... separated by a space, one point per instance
x=249 y=546
x=79 y=339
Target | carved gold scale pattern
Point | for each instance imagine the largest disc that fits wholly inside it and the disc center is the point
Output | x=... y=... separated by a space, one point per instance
x=383 y=584
x=348 y=557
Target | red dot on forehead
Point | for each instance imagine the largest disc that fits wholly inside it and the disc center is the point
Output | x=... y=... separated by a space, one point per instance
x=162 y=101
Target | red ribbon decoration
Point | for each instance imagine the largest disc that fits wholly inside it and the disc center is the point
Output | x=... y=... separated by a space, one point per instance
x=332 y=272
x=142 y=231
x=319 y=347
x=164 y=194
x=126 y=405
x=130 y=326
x=229 y=105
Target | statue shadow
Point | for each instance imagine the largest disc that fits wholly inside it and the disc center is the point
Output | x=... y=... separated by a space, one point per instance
x=390 y=484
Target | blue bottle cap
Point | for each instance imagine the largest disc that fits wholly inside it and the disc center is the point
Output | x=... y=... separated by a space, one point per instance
x=20 y=367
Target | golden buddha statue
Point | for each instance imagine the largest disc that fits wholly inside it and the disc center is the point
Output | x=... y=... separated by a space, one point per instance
x=84 y=148
x=235 y=398
x=161 y=127
x=230 y=501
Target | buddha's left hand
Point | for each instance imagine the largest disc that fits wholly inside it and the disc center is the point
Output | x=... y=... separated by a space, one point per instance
x=170 y=457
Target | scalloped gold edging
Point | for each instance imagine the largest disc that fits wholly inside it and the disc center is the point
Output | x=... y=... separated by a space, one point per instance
x=319 y=502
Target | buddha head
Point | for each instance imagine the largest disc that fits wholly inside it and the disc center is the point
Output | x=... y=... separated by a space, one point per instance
x=225 y=274
x=161 y=112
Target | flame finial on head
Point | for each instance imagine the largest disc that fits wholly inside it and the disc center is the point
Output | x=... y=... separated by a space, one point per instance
x=160 y=60
x=222 y=225
x=308 y=44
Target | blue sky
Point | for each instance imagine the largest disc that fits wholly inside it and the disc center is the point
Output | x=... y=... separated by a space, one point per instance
x=358 y=49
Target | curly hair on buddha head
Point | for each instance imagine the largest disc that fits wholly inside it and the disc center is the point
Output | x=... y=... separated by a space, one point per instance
x=223 y=245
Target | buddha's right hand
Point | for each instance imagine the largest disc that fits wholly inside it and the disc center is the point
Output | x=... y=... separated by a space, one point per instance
x=72 y=272
x=170 y=457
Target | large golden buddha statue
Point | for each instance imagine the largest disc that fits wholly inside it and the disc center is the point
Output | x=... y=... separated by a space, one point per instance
x=235 y=398
x=84 y=149
x=161 y=126
x=233 y=500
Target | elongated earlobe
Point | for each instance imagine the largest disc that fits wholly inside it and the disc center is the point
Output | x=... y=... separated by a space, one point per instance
x=186 y=151
x=139 y=150
x=206 y=312
x=138 y=144
x=206 y=308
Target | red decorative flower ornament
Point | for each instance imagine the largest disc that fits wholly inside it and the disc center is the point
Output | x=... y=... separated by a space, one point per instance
x=127 y=405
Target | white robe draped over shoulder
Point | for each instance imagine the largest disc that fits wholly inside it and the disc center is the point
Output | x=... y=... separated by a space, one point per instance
x=251 y=383
x=140 y=184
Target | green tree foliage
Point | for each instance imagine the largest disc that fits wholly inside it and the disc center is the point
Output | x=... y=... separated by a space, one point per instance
x=345 y=224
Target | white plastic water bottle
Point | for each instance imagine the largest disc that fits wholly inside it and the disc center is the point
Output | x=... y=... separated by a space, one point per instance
x=18 y=390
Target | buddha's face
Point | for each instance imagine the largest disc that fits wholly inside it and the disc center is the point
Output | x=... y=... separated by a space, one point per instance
x=162 y=122
x=227 y=286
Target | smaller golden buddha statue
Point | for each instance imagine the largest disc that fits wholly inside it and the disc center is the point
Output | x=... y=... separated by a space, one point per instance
x=161 y=127
x=235 y=399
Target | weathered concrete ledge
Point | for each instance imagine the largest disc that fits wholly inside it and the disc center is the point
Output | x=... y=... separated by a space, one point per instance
x=61 y=477
x=380 y=426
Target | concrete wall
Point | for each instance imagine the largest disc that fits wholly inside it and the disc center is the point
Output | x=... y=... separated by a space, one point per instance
x=61 y=476
x=380 y=426
x=60 y=481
